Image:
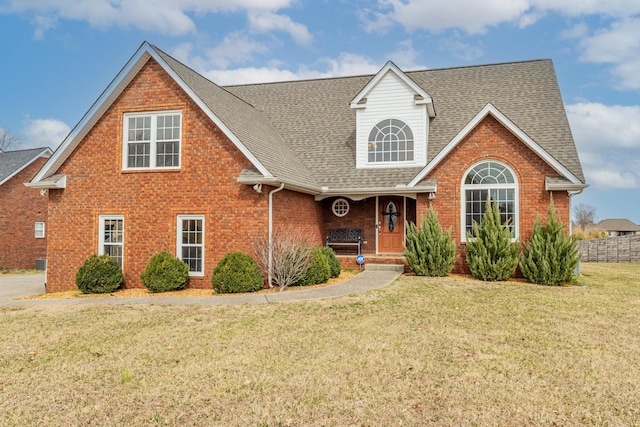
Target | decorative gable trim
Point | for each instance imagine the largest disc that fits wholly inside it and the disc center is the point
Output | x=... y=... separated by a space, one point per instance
x=109 y=96
x=509 y=125
x=421 y=97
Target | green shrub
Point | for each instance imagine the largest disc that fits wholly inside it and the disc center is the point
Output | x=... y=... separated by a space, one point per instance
x=429 y=250
x=334 y=263
x=490 y=253
x=318 y=271
x=164 y=273
x=99 y=275
x=551 y=256
x=237 y=272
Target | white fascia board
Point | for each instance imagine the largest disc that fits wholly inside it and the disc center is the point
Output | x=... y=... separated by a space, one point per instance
x=363 y=193
x=44 y=153
x=515 y=130
x=53 y=181
x=111 y=93
x=563 y=186
x=390 y=66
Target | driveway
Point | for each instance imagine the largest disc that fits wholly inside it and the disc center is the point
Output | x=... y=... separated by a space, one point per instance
x=21 y=285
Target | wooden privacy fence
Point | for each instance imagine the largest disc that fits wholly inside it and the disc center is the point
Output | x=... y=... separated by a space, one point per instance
x=612 y=249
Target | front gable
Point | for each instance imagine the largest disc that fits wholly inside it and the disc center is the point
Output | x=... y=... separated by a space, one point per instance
x=392 y=121
x=570 y=181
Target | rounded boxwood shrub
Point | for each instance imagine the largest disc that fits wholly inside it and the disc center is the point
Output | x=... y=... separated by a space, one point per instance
x=164 y=272
x=99 y=275
x=334 y=263
x=318 y=271
x=237 y=272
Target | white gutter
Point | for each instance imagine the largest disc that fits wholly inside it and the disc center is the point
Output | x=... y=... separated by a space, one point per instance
x=271 y=193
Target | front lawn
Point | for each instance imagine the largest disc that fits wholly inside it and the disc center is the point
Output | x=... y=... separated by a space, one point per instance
x=446 y=351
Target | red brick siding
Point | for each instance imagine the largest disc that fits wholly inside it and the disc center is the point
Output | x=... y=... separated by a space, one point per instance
x=151 y=200
x=20 y=208
x=299 y=212
x=491 y=140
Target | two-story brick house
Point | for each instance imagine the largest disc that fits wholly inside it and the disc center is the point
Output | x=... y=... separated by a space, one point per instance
x=23 y=211
x=168 y=160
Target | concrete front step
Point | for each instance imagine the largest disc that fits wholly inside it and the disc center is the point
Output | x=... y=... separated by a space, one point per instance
x=385 y=267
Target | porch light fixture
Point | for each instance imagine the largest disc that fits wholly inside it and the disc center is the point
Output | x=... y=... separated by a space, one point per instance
x=432 y=195
x=258 y=188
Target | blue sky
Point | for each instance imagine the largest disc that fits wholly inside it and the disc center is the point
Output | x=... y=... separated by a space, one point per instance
x=58 y=56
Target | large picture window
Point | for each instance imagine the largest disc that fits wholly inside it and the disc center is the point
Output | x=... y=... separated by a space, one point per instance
x=190 y=244
x=489 y=180
x=152 y=140
x=111 y=238
x=391 y=140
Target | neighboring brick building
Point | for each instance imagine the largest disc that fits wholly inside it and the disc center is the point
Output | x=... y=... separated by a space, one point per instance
x=23 y=211
x=167 y=160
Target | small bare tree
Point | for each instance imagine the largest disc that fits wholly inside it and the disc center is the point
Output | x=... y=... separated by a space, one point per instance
x=7 y=140
x=288 y=254
x=585 y=216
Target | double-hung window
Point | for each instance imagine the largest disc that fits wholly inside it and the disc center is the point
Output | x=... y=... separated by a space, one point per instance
x=190 y=242
x=39 y=230
x=494 y=182
x=111 y=238
x=152 y=140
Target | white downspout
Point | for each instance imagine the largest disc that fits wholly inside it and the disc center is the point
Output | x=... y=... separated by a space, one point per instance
x=571 y=194
x=271 y=193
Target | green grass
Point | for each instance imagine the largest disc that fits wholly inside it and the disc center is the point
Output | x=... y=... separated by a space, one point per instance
x=423 y=351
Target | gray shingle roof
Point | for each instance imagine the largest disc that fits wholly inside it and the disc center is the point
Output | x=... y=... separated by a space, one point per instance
x=303 y=133
x=12 y=162
x=250 y=125
x=315 y=119
x=618 y=224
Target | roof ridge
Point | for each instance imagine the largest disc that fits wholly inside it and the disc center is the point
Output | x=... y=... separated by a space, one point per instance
x=25 y=149
x=359 y=76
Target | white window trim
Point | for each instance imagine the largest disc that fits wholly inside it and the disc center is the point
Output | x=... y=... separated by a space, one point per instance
x=153 y=142
x=179 y=241
x=463 y=200
x=335 y=203
x=39 y=233
x=101 y=242
x=397 y=163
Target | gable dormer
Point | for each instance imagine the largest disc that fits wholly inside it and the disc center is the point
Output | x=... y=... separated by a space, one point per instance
x=392 y=121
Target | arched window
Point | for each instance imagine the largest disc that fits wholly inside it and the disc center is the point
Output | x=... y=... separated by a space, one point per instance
x=391 y=140
x=493 y=180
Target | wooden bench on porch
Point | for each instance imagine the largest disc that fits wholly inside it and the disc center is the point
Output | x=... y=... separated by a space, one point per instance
x=346 y=237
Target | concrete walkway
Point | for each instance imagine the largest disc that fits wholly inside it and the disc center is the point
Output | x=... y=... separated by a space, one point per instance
x=12 y=287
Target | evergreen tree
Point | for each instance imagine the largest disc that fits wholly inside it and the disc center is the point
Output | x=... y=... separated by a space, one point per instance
x=490 y=253
x=429 y=250
x=551 y=256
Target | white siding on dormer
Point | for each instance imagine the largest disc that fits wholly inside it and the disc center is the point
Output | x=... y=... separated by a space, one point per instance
x=391 y=98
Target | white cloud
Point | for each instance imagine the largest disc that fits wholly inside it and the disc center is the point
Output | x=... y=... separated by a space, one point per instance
x=250 y=75
x=405 y=55
x=347 y=64
x=473 y=17
x=168 y=16
x=44 y=133
x=608 y=141
x=436 y=15
x=265 y=21
x=619 y=46
x=462 y=50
